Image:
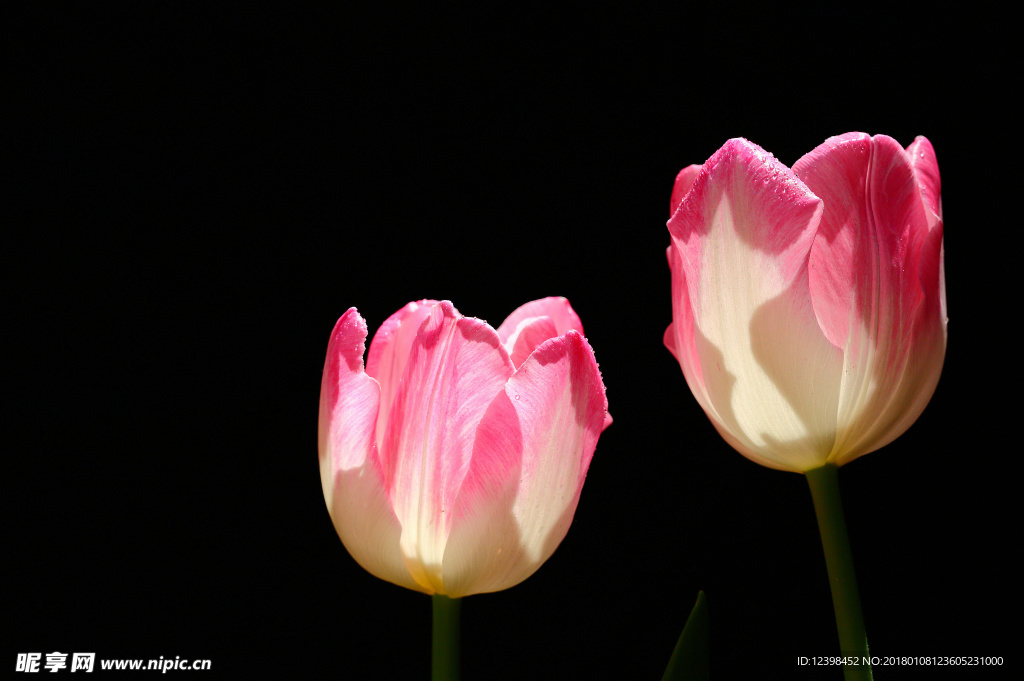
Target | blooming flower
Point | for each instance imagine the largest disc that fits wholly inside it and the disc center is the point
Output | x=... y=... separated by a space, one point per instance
x=809 y=306
x=454 y=463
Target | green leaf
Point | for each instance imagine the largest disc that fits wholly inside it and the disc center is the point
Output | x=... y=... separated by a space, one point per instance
x=689 y=661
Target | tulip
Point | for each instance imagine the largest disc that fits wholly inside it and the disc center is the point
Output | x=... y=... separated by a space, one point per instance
x=453 y=463
x=809 y=311
x=809 y=314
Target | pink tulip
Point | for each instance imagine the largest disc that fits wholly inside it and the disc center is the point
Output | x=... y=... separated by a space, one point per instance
x=809 y=305
x=454 y=463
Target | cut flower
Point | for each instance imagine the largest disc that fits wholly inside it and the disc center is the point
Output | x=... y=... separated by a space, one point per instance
x=454 y=463
x=809 y=306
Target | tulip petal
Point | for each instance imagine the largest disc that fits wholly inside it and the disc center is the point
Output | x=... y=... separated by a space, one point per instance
x=926 y=169
x=504 y=531
x=555 y=308
x=920 y=375
x=560 y=399
x=455 y=369
x=684 y=180
x=771 y=376
x=679 y=334
x=483 y=552
x=679 y=338
x=525 y=329
x=879 y=235
x=529 y=333
x=389 y=352
x=349 y=468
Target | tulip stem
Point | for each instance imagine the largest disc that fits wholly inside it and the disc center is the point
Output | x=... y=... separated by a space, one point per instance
x=853 y=641
x=444 y=651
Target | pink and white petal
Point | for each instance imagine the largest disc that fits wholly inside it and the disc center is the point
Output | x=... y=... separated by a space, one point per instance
x=684 y=180
x=483 y=552
x=558 y=398
x=529 y=333
x=743 y=236
x=389 y=352
x=838 y=169
x=556 y=308
x=679 y=334
x=864 y=274
x=349 y=469
x=913 y=389
x=456 y=367
x=679 y=339
x=929 y=333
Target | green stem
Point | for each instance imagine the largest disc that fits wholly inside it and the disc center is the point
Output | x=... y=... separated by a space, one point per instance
x=444 y=651
x=828 y=506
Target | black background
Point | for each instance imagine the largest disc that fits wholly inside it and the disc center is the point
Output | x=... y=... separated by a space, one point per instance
x=199 y=194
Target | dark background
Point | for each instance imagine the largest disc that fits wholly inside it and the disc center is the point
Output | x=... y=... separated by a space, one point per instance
x=198 y=194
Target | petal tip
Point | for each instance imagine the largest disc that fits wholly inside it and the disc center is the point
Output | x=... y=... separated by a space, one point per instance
x=348 y=340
